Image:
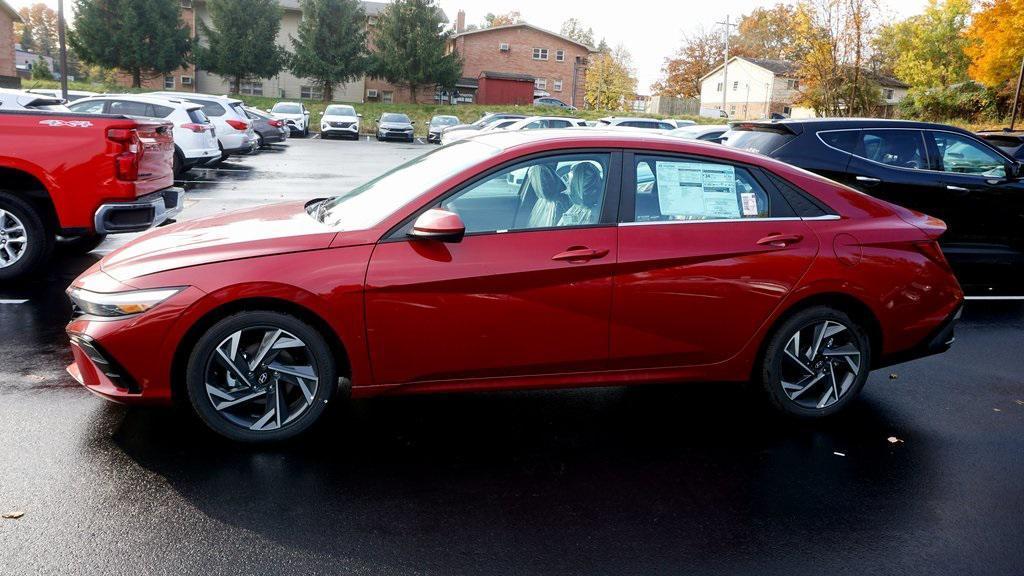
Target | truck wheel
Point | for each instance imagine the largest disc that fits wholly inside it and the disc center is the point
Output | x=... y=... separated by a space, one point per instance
x=78 y=245
x=179 y=166
x=25 y=242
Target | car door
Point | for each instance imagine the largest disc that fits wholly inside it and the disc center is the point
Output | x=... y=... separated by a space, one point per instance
x=985 y=243
x=707 y=250
x=527 y=291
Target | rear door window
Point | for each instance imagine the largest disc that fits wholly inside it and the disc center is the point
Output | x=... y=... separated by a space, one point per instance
x=130 y=108
x=91 y=107
x=898 y=148
x=844 y=140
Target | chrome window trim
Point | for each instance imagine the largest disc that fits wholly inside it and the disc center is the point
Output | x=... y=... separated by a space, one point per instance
x=923 y=142
x=732 y=220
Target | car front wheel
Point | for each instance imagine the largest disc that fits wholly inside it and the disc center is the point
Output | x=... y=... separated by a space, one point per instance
x=260 y=376
x=815 y=363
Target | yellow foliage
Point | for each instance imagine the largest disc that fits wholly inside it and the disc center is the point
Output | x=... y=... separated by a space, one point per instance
x=996 y=42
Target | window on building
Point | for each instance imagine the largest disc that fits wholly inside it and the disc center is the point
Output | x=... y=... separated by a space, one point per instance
x=560 y=55
x=169 y=83
x=387 y=96
x=251 y=88
x=787 y=110
x=792 y=84
x=889 y=93
x=540 y=53
x=719 y=87
x=558 y=86
x=735 y=85
x=311 y=93
x=732 y=110
x=540 y=84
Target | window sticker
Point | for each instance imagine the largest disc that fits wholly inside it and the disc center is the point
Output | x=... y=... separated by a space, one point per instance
x=749 y=201
x=697 y=190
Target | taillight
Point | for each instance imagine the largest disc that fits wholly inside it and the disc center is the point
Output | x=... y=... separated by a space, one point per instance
x=197 y=128
x=275 y=123
x=933 y=251
x=129 y=158
x=238 y=124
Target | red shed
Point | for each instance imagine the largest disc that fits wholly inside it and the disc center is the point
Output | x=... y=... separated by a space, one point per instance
x=505 y=88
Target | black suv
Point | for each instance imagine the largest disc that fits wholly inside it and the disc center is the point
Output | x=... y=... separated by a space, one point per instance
x=946 y=172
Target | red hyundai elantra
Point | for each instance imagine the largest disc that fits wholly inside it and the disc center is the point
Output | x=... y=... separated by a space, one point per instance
x=520 y=260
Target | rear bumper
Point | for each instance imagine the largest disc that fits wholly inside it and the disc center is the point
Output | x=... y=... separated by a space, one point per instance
x=937 y=342
x=140 y=214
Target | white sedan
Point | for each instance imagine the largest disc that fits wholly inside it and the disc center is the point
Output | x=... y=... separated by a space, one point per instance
x=529 y=123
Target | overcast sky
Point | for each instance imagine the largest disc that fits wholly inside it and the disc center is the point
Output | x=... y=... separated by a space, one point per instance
x=651 y=29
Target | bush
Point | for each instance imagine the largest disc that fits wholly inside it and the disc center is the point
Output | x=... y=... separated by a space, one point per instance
x=967 y=101
x=41 y=70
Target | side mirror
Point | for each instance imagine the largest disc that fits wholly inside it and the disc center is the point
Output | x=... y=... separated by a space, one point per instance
x=305 y=112
x=413 y=123
x=1016 y=170
x=437 y=224
x=359 y=115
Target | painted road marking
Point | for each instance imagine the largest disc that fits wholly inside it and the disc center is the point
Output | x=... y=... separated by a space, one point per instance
x=993 y=297
x=13 y=301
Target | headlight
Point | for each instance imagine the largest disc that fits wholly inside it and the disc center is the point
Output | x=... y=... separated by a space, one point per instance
x=119 y=303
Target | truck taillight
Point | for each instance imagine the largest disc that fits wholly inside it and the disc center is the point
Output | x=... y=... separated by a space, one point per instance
x=238 y=124
x=197 y=128
x=129 y=158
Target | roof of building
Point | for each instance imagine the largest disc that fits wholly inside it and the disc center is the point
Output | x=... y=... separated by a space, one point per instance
x=507 y=76
x=467 y=83
x=790 y=69
x=525 y=25
x=5 y=7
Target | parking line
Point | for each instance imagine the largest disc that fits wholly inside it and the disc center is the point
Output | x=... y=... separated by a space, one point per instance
x=993 y=297
x=13 y=301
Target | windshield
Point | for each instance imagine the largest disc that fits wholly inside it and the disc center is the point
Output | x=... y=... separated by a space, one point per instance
x=340 y=111
x=369 y=204
x=399 y=118
x=287 y=109
x=444 y=121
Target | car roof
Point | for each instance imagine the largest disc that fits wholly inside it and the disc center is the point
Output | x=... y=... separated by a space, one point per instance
x=25 y=99
x=147 y=98
x=196 y=95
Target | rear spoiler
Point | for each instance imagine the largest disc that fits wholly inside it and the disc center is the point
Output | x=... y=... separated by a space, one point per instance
x=767 y=126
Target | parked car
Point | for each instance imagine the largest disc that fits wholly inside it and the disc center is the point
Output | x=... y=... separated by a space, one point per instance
x=295 y=116
x=496 y=126
x=679 y=123
x=233 y=126
x=79 y=177
x=340 y=120
x=269 y=130
x=438 y=124
x=195 y=139
x=73 y=95
x=549 y=101
x=713 y=113
x=707 y=132
x=1010 y=142
x=393 y=126
x=625 y=122
x=519 y=260
x=486 y=120
x=940 y=170
x=19 y=100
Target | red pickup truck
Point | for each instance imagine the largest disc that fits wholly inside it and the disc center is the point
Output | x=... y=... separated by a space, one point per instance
x=79 y=177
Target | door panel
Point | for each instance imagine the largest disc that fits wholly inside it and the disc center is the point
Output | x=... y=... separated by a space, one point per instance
x=491 y=305
x=695 y=293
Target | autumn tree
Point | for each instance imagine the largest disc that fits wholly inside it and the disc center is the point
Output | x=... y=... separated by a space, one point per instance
x=412 y=47
x=506 y=19
x=610 y=83
x=700 y=53
x=134 y=36
x=331 y=46
x=37 y=30
x=773 y=33
x=242 y=41
x=927 y=50
x=573 y=28
x=996 y=42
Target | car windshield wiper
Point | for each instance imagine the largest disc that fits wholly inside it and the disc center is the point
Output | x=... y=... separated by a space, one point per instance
x=321 y=210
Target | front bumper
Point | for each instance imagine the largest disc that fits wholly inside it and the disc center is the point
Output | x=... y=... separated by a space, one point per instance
x=140 y=214
x=433 y=137
x=352 y=130
x=393 y=135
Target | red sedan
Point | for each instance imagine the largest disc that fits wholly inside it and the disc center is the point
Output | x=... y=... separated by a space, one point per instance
x=526 y=260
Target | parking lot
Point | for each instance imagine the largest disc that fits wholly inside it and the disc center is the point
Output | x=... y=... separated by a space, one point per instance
x=921 y=475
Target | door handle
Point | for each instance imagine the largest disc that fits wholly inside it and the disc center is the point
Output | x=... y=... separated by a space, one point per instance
x=958 y=189
x=780 y=240
x=868 y=180
x=580 y=254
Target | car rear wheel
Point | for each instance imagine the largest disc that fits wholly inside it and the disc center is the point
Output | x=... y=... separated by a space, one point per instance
x=260 y=377
x=815 y=362
x=25 y=242
x=260 y=144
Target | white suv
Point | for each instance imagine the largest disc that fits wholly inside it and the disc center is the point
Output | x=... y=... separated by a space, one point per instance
x=195 y=138
x=234 y=127
x=340 y=120
x=641 y=123
x=295 y=116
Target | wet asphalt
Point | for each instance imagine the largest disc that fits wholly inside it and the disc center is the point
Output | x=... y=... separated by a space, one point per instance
x=686 y=479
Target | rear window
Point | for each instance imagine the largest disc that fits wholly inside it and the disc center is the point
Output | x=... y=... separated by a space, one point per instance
x=757 y=141
x=198 y=116
x=210 y=108
x=239 y=109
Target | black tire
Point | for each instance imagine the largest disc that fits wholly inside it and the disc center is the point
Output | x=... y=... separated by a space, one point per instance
x=771 y=369
x=39 y=239
x=260 y=144
x=78 y=245
x=305 y=132
x=202 y=354
x=178 y=168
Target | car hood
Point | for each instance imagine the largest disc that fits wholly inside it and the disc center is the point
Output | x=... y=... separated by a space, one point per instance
x=341 y=119
x=396 y=125
x=281 y=116
x=262 y=231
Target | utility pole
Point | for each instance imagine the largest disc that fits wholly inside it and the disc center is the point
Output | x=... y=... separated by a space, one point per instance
x=1016 y=96
x=725 y=64
x=63 y=50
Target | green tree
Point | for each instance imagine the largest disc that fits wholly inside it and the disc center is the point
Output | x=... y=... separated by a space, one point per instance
x=41 y=70
x=134 y=36
x=927 y=50
x=412 y=47
x=331 y=47
x=610 y=83
x=242 y=43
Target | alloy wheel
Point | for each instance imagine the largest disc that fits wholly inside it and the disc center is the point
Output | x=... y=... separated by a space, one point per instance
x=820 y=364
x=261 y=378
x=13 y=239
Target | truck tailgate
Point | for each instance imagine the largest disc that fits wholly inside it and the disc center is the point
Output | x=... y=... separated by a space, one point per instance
x=156 y=168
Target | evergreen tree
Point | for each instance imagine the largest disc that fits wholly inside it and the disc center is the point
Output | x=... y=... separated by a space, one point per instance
x=331 y=47
x=242 y=44
x=41 y=70
x=411 y=44
x=134 y=36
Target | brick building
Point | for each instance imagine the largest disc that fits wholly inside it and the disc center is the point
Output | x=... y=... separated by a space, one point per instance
x=8 y=72
x=557 y=63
